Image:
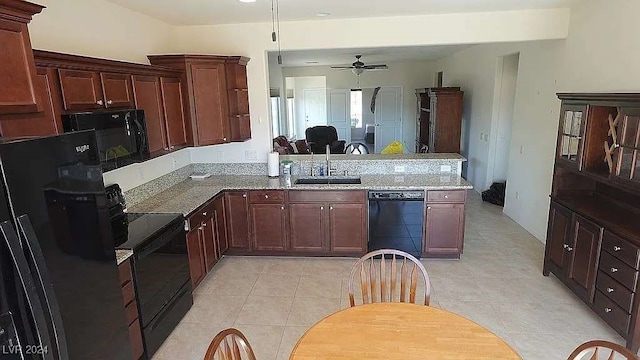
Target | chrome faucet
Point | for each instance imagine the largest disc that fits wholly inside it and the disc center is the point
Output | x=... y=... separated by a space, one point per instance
x=328 y=165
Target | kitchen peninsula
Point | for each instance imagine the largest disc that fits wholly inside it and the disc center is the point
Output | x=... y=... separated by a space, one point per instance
x=240 y=211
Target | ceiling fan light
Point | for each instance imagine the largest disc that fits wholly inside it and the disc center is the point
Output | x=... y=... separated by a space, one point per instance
x=357 y=71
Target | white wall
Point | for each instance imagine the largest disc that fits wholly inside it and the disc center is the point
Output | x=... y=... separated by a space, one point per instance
x=409 y=76
x=254 y=40
x=534 y=124
x=503 y=105
x=98 y=28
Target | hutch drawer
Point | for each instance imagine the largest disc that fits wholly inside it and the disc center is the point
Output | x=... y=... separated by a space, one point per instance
x=621 y=249
x=615 y=291
x=618 y=270
x=611 y=313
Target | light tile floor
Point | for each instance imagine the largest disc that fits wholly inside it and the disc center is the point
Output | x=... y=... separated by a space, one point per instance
x=498 y=283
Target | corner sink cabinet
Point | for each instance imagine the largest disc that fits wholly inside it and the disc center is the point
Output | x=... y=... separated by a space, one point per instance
x=593 y=234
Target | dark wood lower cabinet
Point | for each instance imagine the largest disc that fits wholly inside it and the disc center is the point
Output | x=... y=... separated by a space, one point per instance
x=220 y=220
x=558 y=233
x=237 y=218
x=131 y=308
x=444 y=224
x=307 y=224
x=209 y=242
x=584 y=248
x=268 y=224
x=348 y=228
x=196 y=256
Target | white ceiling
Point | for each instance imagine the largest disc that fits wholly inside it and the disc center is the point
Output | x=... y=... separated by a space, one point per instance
x=370 y=56
x=207 y=12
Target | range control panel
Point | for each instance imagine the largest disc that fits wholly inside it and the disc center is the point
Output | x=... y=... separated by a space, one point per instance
x=396 y=195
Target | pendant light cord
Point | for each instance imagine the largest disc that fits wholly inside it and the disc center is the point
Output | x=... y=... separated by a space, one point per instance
x=278 y=29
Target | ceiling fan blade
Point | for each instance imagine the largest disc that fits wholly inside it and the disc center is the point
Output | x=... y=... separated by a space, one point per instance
x=376 y=67
x=342 y=67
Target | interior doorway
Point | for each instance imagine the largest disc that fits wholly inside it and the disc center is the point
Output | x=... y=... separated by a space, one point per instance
x=503 y=109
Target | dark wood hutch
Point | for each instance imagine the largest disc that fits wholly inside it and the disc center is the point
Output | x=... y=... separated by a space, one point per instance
x=593 y=236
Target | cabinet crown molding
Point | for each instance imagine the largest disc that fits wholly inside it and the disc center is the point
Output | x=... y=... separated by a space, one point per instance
x=18 y=10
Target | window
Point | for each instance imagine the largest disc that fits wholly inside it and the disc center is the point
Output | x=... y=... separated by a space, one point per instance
x=356 y=109
x=291 y=130
x=275 y=115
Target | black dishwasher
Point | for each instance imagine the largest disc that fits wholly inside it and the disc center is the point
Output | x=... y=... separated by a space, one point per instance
x=396 y=220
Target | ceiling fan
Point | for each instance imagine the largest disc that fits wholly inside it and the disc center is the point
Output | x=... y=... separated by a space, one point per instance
x=358 y=67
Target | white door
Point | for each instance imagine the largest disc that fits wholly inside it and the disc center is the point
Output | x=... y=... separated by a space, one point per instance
x=388 y=117
x=315 y=108
x=339 y=110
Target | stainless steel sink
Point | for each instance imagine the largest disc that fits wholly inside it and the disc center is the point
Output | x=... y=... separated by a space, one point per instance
x=328 y=180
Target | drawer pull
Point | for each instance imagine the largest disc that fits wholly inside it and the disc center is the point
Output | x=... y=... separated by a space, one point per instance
x=282 y=208
x=607 y=310
x=610 y=290
x=617 y=248
x=244 y=195
x=321 y=207
x=565 y=246
x=204 y=213
x=614 y=269
x=569 y=249
x=446 y=196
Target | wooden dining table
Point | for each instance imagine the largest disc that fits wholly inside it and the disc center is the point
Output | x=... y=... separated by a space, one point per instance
x=404 y=331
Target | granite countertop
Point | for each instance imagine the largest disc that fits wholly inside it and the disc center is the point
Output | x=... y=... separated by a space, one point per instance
x=187 y=196
x=123 y=255
x=365 y=157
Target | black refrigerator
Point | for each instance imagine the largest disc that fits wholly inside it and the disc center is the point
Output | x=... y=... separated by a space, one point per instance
x=60 y=295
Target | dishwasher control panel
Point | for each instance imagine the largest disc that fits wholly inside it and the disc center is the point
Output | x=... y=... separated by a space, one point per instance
x=396 y=195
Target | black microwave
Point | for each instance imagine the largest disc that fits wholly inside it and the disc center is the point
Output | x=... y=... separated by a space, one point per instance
x=121 y=135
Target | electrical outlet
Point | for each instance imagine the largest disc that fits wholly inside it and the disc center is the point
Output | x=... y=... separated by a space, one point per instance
x=174 y=162
x=521 y=149
x=250 y=154
x=481 y=136
x=517 y=195
x=445 y=168
x=399 y=168
x=486 y=137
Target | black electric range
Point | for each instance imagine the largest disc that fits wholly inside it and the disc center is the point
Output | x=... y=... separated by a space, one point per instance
x=160 y=267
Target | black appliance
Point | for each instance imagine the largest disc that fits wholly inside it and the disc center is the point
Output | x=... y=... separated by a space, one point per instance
x=121 y=135
x=60 y=295
x=396 y=220
x=160 y=267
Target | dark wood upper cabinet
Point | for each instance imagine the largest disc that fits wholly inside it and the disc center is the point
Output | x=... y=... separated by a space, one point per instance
x=583 y=249
x=573 y=119
x=237 y=219
x=216 y=96
x=209 y=101
x=307 y=227
x=117 y=91
x=174 y=112
x=348 y=228
x=238 y=97
x=148 y=97
x=42 y=123
x=18 y=93
x=81 y=90
x=627 y=158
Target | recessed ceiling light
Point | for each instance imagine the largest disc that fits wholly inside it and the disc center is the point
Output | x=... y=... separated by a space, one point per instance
x=312 y=62
x=323 y=14
x=247 y=1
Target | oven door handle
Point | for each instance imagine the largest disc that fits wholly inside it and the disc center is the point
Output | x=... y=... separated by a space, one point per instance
x=161 y=241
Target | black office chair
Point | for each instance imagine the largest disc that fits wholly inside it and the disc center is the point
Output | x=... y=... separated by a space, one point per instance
x=318 y=137
x=356 y=148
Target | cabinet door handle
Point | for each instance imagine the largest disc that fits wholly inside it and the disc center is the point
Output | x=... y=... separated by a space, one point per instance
x=446 y=196
x=617 y=248
x=244 y=195
x=610 y=290
x=428 y=207
x=266 y=196
x=565 y=246
x=224 y=139
x=109 y=102
x=204 y=213
x=569 y=248
x=204 y=225
x=282 y=208
x=321 y=207
x=607 y=310
x=614 y=269
x=100 y=102
x=330 y=207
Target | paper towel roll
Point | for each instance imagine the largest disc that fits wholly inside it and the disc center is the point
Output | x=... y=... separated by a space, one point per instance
x=273 y=164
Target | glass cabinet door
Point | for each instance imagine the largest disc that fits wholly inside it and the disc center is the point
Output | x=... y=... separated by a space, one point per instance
x=571 y=133
x=628 y=153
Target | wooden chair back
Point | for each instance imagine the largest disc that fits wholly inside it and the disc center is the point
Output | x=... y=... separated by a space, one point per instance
x=601 y=349
x=229 y=344
x=379 y=277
